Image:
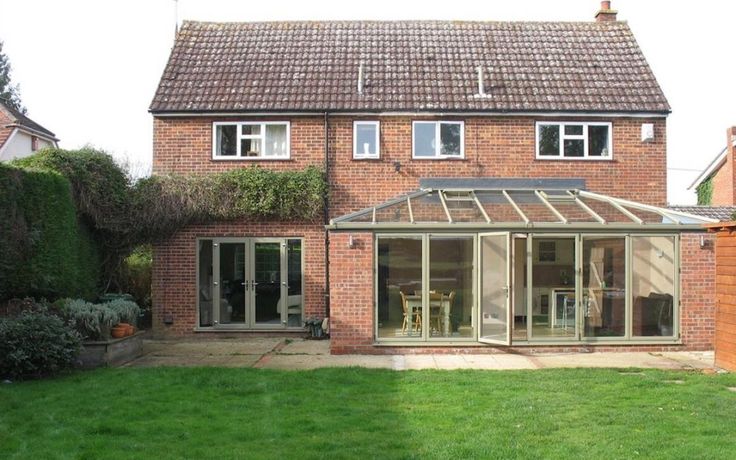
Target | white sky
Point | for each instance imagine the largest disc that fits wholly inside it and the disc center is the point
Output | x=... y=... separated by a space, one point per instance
x=88 y=69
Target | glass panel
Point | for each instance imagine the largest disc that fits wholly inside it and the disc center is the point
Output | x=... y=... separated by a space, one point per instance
x=553 y=287
x=295 y=301
x=519 y=289
x=232 y=283
x=226 y=144
x=276 y=140
x=365 y=139
x=251 y=130
x=498 y=207
x=604 y=286
x=204 y=283
x=532 y=206
x=428 y=208
x=607 y=211
x=494 y=287
x=573 y=212
x=574 y=147
x=549 y=140
x=464 y=211
x=653 y=285
x=451 y=287
x=267 y=281
x=398 y=212
x=424 y=139
x=250 y=147
x=598 y=141
x=450 y=135
x=399 y=281
x=573 y=130
x=649 y=217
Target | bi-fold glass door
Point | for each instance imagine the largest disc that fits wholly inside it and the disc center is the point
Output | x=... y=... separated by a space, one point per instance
x=256 y=283
x=495 y=288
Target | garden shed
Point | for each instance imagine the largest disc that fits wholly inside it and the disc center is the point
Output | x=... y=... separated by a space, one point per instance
x=725 y=338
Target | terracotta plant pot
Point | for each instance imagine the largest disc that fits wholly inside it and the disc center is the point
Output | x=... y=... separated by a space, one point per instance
x=118 y=332
x=129 y=329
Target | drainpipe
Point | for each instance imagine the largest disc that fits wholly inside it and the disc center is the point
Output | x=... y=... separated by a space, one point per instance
x=327 y=216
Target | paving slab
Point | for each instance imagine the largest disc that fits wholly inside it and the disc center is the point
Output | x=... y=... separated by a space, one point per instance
x=691 y=359
x=303 y=362
x=306 y=347
x=608 y=359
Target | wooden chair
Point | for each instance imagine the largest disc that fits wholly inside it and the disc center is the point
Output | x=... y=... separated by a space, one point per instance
x=417 y=314
x=436 y=300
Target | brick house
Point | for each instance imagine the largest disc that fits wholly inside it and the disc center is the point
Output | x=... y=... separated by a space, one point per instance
x=493 y=185
x=715 y=184
x=20 y=136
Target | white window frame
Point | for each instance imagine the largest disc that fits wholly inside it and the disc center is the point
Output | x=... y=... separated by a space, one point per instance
x=438 y=147
x=240 y=136
x=356 y=153
x=583 y=137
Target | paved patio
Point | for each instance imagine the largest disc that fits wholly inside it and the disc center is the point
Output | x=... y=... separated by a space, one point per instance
x=294 y=354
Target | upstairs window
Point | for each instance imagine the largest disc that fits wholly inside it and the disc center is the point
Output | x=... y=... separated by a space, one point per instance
x=438 y=139
x=250 y=140
x=366 y=139
x=574 y=140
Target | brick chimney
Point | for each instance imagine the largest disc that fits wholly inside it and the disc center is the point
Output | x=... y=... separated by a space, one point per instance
x=606 y=14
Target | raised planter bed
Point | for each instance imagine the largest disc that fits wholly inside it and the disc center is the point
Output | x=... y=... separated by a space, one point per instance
x=112 y=352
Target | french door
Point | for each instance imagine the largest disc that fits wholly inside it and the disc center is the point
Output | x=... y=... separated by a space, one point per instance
x=494 y=282
x=258 y=282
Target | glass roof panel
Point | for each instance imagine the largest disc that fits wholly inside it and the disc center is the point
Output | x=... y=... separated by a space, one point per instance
x=572 y=211
x=533 y=208
x=397 y=212
x=649 y=217
x=428 y=208
x=498 y=207
x=464 y=211
x=607 y=211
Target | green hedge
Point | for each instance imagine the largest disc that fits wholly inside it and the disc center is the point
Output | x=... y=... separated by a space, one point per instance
x=44 y=250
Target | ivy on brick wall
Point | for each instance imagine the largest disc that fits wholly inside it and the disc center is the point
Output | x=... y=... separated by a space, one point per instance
x=705 y=192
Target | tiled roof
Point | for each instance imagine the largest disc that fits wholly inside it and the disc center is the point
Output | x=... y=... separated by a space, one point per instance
x=14 y=117
x=408 y=66
x=722 y=213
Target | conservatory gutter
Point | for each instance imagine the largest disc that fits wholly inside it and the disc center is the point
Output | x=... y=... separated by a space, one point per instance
x=547 y=226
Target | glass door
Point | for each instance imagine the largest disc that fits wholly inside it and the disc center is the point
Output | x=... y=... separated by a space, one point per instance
x=229 y=283
x=495 y=324
x=604 y=286
x=268 y=282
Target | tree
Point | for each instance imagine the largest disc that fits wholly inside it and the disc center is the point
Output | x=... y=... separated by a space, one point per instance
x=9 y=93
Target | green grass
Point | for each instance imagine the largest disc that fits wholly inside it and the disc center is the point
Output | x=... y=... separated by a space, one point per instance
x=359 y=413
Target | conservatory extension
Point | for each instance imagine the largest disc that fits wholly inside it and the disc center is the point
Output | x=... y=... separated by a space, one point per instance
x=548 y=266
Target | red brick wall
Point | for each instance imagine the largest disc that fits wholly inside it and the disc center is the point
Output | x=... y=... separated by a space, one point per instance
x=351 y=293
x=697 y=291
x=175 y=270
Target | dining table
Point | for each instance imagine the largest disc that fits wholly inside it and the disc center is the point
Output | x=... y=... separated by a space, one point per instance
x=414 y=303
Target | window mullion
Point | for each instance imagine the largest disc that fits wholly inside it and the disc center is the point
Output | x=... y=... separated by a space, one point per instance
x=438 y=141
x=561 y=128
x=239 y=137
x=585 y=140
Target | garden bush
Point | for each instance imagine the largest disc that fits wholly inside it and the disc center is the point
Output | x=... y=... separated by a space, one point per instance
x=36 y=344
x=93 y=321
x=45 y=251
x=126 y=310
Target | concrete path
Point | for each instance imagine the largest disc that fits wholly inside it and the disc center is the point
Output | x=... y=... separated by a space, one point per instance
x=295 y=354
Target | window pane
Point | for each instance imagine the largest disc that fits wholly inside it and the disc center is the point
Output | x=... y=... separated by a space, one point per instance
x=553 y=288
x=276 y=140
x=365 y=139
x=653 y=285
x=250 y=147
x=295 y=299
x=451 y=287
x=204 y=282
x=604 y=287
x=424 y=139
x=549 y=140
x=573 y=130
x=251 y=130
x=574 y=147
x=226 y=145
x=450 y=134
x=399 y=287
x=598 y=141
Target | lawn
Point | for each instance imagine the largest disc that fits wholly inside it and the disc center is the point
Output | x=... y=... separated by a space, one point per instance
x=360 y=413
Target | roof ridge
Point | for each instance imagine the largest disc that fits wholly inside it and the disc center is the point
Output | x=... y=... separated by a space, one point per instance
x=404 y=21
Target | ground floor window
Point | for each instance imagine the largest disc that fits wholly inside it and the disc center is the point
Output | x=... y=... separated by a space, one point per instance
x=526 y=287
x=250 y=282
x=425 y=287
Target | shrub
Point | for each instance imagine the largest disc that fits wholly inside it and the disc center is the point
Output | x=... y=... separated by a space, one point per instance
x=92 y=321
x=36 y=344
x=137 y=274
x=127 y=311
x=45 y=251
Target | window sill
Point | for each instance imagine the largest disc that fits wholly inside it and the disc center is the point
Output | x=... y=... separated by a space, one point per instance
x=439 y=158
x=609 y=159
x=250 y=159
x=366 y=158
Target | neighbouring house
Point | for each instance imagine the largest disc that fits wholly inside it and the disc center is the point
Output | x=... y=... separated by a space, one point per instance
x=20 y=136
x=493 y=185
x=715 y=184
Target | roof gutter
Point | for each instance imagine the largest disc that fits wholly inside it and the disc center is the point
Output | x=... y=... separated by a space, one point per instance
x=417 y=113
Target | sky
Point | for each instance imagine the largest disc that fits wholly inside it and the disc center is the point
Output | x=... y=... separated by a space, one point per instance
x=88 y=69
